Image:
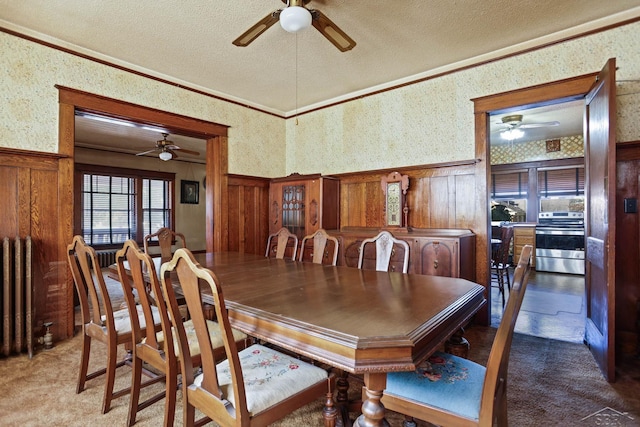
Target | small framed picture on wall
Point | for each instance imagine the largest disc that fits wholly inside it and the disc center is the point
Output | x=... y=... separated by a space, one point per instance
x=189 y=192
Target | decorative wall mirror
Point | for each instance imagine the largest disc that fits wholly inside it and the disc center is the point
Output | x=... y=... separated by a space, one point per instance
x=394 y=187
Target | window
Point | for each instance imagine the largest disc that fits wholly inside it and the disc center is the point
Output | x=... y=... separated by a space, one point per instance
x=561 y=182
x=120 y=204
x=509 y=196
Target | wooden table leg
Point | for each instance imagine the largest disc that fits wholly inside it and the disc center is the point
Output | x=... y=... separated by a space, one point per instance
x=372 y=408
x=457 y=345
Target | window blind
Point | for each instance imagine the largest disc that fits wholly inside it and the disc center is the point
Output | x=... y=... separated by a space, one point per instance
x=561 y=182
x=509 y=185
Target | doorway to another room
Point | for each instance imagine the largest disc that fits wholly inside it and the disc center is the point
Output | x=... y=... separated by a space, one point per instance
x=537 y=171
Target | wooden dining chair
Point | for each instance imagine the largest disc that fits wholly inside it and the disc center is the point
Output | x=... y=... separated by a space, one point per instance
x=500 y=264
x=323 y=248
x=99 y=320
x=159 y=350
x=450 y=390
x=252 y=387
x=282 y=244
x=166 y=237
x=385 y=252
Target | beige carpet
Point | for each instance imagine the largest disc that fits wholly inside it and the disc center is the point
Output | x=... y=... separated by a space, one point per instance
x=550 y=383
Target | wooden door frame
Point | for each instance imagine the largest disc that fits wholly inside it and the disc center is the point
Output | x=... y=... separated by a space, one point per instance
x=215 y=135
x=547 y=93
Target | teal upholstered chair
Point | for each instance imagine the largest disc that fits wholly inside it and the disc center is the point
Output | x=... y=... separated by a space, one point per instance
x=449 y=390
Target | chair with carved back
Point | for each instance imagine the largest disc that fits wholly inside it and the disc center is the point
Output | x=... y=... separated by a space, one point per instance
x=385 y=249
x=282 y=244
x=99 y=320
x=324 y=249
x=450 y=390
x=166 y=237
x=500 y=265
x=159 y=350
x=274 y=383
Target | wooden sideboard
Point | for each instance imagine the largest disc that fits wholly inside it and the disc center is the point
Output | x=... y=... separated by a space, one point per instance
x=435 y=251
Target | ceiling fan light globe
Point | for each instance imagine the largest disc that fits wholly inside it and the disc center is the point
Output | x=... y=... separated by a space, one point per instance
x=512 y=134
x=165 y=155
x=295 y=18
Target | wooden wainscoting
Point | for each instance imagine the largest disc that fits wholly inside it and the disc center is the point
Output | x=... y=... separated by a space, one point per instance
x=439 y=196
x=32 y=204
x=628 y=249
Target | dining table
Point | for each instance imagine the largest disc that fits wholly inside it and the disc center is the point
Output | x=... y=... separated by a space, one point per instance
x=362 y=322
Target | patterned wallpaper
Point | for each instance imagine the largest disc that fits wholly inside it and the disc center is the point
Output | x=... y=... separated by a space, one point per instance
x=433 y=121
x=514 y=152
x=423 y=123
x=29 y=104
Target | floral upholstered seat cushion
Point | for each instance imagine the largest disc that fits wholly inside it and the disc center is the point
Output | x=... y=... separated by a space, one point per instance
x=444 y=381
x=194 y=348
x=269 y=377
x=123 y=323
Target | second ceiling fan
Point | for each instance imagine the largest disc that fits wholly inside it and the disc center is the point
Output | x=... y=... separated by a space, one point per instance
x=295 y=17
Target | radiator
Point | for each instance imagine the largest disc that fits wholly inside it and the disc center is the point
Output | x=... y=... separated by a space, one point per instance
x=17 y=297
x=106 y=257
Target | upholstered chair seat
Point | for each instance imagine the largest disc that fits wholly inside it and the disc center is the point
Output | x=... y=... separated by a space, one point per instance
x=269 y=377
x=123 y=323
x=445 y=381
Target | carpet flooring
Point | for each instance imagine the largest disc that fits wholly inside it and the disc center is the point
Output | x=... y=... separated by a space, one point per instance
x=550 y=383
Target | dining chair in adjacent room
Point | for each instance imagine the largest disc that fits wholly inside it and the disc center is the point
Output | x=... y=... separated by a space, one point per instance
x=500 y=265
x=252 y=387
x=322 y=250
x=99 y=320
x=282 y=244
x=385 y=252
x=450 y=390
x=166 y=238
x=157 y=349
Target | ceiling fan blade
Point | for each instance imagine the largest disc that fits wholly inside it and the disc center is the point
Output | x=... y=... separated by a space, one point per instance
x=331 y=31
x=184 y=150
x=146 y=152
x=539 y=125
x=173 y=153
x=260 y=27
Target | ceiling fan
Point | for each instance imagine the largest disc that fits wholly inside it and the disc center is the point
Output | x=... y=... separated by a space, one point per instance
x=513 y=126
x=168 y=149
x=296 y=17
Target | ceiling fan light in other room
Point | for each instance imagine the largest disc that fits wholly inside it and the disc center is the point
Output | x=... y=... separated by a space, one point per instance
x=512 y=134
x=295 y=18
x=165 y=155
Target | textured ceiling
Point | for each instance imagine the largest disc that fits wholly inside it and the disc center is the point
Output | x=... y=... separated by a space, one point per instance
x=189 y=42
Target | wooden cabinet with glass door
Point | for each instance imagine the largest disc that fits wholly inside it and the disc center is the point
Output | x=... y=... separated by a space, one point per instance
x=304 y=203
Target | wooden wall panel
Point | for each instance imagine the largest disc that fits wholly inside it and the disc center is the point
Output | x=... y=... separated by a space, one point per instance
x=51 y=297
x=247 y=212
x=9 y=196
x=439 y=196
x=235 y=209
x=31 y=206
x=465 y=214
x=628 y=245
x=439 y=203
